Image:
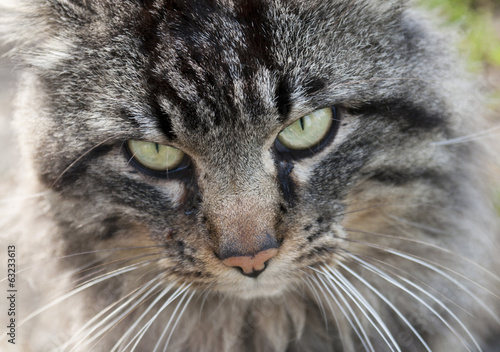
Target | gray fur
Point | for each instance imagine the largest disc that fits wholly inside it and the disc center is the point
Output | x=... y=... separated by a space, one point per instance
x=219 y=80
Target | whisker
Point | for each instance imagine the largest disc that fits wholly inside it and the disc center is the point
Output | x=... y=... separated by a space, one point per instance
x=449 y=311
x=420 y=226
x=82 y=287
x=378 y=206
x=79 y=254
x=388 y=302
x=354 y=295
x=204 y=294
x=391 y=280
x=430 y=245
x=77 y=290
x=381 y=262
x=82 y=156
x=139 y=264
x=170 y=320
x=359 y=297
x=365 y=341
x=102 y=266
x=113 y=324
x=177 y=320
x=428 y=264
x=148 y=324
x=340 y=329
x=320 y=303
x=491 y=132
x=132 y=297
x=161 y=294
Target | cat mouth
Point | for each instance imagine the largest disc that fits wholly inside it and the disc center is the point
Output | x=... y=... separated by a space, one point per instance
x=254 y=288
x=271 y=280
x=254 y=273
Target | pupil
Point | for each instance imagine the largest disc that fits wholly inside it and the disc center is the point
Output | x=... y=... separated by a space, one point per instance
x=157 y=147
x=301 y=121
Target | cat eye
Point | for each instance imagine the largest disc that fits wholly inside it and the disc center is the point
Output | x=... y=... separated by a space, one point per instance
x=154 y=156
x=308 y=131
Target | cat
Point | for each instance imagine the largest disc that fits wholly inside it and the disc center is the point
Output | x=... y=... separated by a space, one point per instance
x=246 y=175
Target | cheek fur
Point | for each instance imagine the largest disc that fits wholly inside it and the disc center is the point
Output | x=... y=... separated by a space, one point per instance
x=176 y=191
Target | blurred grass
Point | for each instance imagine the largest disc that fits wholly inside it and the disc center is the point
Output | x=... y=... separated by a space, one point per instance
x=479 y=21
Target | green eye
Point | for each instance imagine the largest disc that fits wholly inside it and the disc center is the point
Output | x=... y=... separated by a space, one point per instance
x=307 y=131
x=155 y=156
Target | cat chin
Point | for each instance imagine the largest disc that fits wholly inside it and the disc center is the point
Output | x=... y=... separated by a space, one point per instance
x=253 y=290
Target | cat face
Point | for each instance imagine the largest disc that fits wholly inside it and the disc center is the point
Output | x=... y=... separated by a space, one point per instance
x=219 y=83
x=293 y=159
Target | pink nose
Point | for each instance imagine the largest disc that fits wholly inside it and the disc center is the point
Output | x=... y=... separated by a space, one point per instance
x=252 y=265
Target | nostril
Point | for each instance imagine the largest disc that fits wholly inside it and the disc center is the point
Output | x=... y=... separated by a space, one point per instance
x=254 y=273
x=254 y=265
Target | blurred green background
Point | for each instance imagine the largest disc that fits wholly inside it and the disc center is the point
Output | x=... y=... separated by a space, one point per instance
x=479 y=22
x=479 y=19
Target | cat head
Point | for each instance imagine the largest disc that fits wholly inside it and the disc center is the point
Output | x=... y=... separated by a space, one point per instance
x=234 y=136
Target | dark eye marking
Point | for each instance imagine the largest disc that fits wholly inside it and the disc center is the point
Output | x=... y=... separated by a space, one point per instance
x=286 y=183
x=314 y=86
x=75 y=167
x=410 y=115
x=164 y=121
x=283 y=98
x=395 y=177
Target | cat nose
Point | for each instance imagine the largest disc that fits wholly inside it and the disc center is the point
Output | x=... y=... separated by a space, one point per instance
x=251 y=265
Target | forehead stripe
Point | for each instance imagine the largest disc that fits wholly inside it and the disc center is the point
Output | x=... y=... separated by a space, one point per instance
x=164 y=121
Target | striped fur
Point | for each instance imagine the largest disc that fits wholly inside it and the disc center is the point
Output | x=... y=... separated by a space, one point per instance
x=386 y=238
